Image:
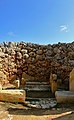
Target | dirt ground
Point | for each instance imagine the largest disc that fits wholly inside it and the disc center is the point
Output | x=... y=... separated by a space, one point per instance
x=10 y=111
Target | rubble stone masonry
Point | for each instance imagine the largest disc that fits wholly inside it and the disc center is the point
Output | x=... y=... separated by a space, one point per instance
x=37 y=61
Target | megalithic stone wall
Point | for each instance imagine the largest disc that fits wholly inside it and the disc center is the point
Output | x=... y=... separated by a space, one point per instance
x=36 y=60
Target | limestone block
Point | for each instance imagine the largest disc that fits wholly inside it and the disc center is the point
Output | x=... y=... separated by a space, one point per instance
x=3 y=78
x=38 y=57
x=1 y=59
x=64 y=96
x=71 y=55
x=53 y=82
x=6 y=73
x=12 y=78
x=12 y=95
x=8 y=86
x=39 y=52
x=25 y=56
x=32 y=54
x=16 y=83
x=0 y=66
x=14 y=70
x=19 y=55
x=71 y=81
x=27 y=77
x=18 y=49
x=0 y=50
x=24 y=51
x=31 y=60
x=71 y=62
x=23 y=82
x=2 y=54
x=0 y=86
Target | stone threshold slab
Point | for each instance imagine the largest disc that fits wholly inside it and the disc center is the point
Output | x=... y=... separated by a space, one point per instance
x=12 y=95
x=64 y=96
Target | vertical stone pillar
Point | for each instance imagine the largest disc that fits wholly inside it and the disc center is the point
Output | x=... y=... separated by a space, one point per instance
x=0 y=86
x=53 y=82
x=16 y=83
x=71 y=81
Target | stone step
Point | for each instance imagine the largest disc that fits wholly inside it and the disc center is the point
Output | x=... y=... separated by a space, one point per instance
x=37 y=83
x=36 y=80
x=37 y=89
x=38 y=94
x=37 y=86
x=38 y=99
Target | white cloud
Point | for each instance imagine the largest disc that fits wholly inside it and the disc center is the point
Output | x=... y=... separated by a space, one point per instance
x=11 y=33
x=64 y=28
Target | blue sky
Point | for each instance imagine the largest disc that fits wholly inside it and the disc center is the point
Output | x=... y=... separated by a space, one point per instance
x=37 y=21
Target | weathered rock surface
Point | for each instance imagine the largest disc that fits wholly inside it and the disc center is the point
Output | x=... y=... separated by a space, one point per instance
x=53 y=82
x=64 y=96
x=71 y=81
x=3 y=78
x=37 y=61
x=12 y=95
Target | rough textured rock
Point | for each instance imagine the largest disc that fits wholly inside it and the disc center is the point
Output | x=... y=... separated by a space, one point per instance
x=26 y=77
x=12 y=95
x=64 y=96
x=3 y=78
x=53 y=82
x=16 y=83
x=37 y=61
x=71 y=81
x=2 y=54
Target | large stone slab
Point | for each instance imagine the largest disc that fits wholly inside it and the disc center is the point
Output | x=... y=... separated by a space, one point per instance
x=8 y=86
x=12 y=95
x=64 y=96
